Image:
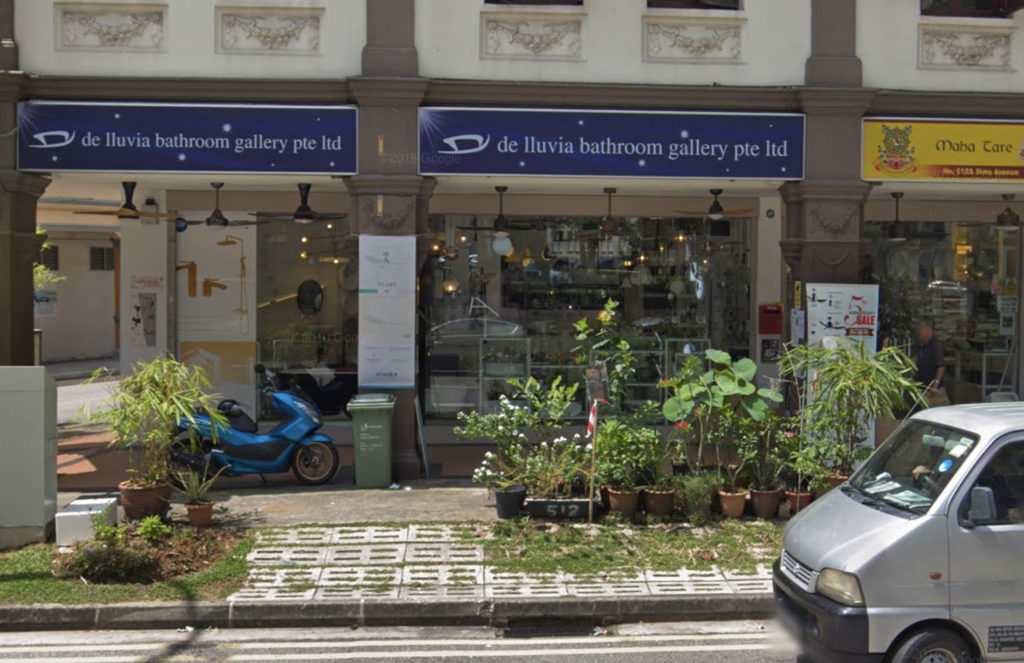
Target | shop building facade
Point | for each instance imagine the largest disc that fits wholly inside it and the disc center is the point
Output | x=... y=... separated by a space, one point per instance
x=523 y=161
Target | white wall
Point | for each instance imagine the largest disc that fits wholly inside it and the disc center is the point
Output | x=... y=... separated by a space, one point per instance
x=776 y=43
x=83 y=324
x=190 y=44
x=888 y=43
x=147 y=267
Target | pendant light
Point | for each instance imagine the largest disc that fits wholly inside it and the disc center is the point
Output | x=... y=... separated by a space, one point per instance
x=1008 y=218
x=501 y=243
x=895 y=230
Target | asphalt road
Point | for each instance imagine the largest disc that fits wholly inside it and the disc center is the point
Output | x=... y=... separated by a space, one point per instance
x=722 y=642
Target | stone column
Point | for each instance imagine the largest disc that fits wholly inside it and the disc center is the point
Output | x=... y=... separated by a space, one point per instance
x=19 y=249
x=825 y=212
x=389 y=197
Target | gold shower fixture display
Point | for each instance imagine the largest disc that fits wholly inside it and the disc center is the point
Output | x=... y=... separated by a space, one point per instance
x=243 y=296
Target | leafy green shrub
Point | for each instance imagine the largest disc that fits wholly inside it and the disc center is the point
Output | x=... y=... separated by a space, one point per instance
x=98 y=562
x=153 y=530
x=695 y=491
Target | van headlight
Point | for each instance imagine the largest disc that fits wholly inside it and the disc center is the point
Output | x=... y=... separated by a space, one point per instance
x=841 y=587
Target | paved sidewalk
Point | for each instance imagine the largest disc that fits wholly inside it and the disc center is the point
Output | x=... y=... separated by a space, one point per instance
x=443 y=562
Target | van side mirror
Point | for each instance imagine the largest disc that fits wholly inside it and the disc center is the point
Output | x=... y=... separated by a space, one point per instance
x=983 y=506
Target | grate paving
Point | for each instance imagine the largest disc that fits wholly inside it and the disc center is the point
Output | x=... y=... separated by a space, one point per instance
x=441 y=562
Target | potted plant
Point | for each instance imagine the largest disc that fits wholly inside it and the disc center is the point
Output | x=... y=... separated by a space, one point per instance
x=805 y=472
x=740 y=432
x=143 y=414
x=659 y=497
x=556 y=474
x=195 y=486
x=765 y=462
x=624 y=450
x=842 y=387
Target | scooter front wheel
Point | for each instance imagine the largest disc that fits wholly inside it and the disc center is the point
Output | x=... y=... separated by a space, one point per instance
x=315 y=463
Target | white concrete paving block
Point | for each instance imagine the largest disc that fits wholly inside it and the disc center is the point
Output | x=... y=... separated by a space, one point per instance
x=525 y=591
x=282 y=578
x=436 y=593
x=353 y=535
x=762 y=572
x=349 y=592
x=752 y=586
x=683 y=575
x=360 y=575
x=296 y=536
x=611 y=589
x=448 y=575
x=272 y=594
x=444 y=553
x=437 y=533
x=285 y=556
x=492 y=577
x=369 y=555
x=677 y=588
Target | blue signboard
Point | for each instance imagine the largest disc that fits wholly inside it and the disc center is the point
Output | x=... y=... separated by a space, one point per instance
x=204 y=138
x=586 y=143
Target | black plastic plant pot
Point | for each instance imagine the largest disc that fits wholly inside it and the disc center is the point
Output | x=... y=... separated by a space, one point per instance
x=509 y=502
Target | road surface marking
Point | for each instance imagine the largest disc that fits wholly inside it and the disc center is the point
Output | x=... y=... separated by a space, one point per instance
x=498 y=642
x=491 y=653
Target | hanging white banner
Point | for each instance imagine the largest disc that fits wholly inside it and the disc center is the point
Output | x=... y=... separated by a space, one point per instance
x=387 y=312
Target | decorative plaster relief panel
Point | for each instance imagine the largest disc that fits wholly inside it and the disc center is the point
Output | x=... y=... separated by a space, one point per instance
x=693 y=39
x=540 y=36
x=965 y=47
x=269 y=30
x=84 y=26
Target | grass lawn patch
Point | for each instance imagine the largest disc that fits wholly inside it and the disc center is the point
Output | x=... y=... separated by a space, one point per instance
x=26 y=577
x=617 y=548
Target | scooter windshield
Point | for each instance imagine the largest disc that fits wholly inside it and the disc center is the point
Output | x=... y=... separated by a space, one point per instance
x=914 y=466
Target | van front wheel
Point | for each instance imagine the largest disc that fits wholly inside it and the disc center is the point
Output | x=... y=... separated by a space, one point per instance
x=934 y=645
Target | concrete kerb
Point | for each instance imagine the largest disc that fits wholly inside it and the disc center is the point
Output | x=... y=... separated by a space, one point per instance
x=406 y=612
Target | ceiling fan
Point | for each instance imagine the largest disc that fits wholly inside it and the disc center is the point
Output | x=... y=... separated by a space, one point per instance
x=303 y=214
x=716 y=212
x=216 y=217
x=128 y=210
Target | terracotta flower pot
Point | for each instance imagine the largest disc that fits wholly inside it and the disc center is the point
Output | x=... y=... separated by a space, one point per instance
x=659 y=502
x=141 y=501
x=623 y=501
x=798 y=500
x=832 y=482
x=200 y=515
x=766 y=502
x=732 y=504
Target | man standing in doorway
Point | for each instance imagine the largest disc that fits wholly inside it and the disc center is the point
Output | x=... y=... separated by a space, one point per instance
x=931 y=364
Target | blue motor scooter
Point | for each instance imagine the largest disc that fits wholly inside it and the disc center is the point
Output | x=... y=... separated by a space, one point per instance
x=240 y=449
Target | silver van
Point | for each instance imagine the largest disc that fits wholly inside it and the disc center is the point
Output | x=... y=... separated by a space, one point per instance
x=919 y=557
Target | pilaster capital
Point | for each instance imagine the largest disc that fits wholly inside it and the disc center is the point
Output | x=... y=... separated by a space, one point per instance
x=388 y=91
x=836 y=101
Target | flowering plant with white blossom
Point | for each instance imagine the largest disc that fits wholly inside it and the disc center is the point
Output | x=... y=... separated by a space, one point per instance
x=553 y=468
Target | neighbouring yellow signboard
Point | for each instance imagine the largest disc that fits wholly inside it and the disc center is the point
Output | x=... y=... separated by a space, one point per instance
x=908 y=149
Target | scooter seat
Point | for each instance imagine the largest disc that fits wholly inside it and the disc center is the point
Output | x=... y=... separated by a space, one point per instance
x=237 y=417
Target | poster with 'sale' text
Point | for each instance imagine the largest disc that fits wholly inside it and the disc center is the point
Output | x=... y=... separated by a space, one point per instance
x=387 y=312
x=846 y=310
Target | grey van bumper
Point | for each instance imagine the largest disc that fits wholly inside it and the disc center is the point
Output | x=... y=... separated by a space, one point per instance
x=827 y=631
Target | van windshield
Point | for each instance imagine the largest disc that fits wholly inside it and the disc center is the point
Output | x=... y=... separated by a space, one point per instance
x=912 y=468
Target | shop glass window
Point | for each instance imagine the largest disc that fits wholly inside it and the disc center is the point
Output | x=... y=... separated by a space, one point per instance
x=970 y=7
x=49 y=257
x=694 y=4
x=498 y=306
x=308 y=309
x=101 y=259
x=962 y=276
